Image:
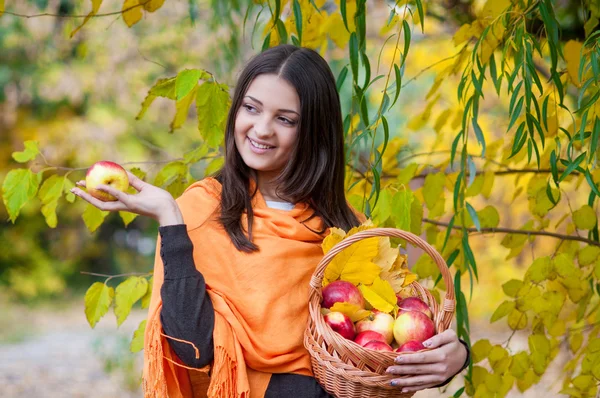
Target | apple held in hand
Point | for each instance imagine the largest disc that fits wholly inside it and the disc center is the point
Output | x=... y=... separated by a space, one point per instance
x=341 y=292
x=378 y=346
x=414 y=304
x=411 y=346
x=106 y=173
x=368 y=335
x=341 y=323
x=379 y=322
x=412 y=325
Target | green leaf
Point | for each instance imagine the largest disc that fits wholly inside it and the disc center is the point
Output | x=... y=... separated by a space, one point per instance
x=196 y=155
x=479 y=135
x=298 y=19
x=182 y=108
x=341 y=78
x=50 y=191
x=137 y=343
x=29 y=153
x=148 y=295
x=353 y=47
x=185 y=82
x=421 y=15
x=170 y=173
x=401 y=209
x=539 y=270
x=519 y=365
x=93 y=217
x=572 y=166
x=433 y=189
x=406 y=30
x=512 y=287
x=214 y=166
x=162 y=88
x=97 y=300
x=18 y=188
x=503 y=310
x=212 y=105
x=474 y=216
x=126 y=294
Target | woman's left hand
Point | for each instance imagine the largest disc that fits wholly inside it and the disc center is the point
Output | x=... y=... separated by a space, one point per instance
x=429 y=368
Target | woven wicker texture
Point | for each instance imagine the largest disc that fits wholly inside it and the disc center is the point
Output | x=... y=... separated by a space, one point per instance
x=342 y=367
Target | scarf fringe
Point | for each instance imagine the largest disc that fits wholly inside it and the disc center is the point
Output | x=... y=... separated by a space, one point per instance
x=155 y=382
x=225 y=370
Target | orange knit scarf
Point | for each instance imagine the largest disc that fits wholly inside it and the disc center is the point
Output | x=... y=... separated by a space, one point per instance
x=260 y=299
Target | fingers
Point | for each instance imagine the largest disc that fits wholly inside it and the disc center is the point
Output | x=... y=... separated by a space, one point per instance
x=426 y=369
x=105 y=206
x=416 y=383
x=135 y=181
x=433 y=356
x=447 y=336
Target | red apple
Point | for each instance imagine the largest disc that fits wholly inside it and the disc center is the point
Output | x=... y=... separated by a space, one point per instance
x=415 y=304
x=412 y=325
x=341 y=323
x=368 y=335
x=341 y=292
x=379 y=322
x=106 y=173
x=378 y=346
x=411 y=346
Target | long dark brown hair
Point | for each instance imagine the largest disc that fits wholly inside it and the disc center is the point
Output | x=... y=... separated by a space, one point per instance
x=315 y=172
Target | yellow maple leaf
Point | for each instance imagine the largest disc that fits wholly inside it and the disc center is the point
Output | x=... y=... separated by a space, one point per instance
x=386 y=255
x=352 y=310
x=355 y=262
x=335 y=236
x=380 y=295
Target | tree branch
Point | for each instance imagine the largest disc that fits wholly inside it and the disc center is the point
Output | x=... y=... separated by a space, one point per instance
x=46 y=14
x=518 y=232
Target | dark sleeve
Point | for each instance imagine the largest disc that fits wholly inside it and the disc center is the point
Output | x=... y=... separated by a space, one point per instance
x=187 y=312
x=465 y=365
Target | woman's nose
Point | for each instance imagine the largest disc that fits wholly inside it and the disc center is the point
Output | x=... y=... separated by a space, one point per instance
x=263 y=130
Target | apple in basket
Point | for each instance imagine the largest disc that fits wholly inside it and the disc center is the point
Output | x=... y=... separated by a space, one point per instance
x=378 y=346
x=367 y=336
x=415 y=304
x=341 y=323
x=411 y=346
x=412 y=325
x=379 y=322
x=341 y=292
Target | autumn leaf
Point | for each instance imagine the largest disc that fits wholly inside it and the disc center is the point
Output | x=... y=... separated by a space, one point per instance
x=352 y=310
x=98 y=299
x=380 y=295
x=126 y=294
x=354 y=263
x=95 y=7
x=335 y=236
x=386 y=255
x=132 y=12
x=137 y=343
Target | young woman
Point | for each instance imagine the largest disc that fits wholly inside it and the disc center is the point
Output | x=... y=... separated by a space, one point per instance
x=236 y=251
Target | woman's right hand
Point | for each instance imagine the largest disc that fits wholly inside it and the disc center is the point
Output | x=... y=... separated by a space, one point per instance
x=150 y=201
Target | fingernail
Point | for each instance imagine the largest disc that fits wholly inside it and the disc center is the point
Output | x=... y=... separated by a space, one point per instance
x=404 y=390
x=398 y=360
x=427 y=343
x=388 y=370
x=393 y=383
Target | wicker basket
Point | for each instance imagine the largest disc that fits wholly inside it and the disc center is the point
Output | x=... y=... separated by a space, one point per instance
x=342 y=367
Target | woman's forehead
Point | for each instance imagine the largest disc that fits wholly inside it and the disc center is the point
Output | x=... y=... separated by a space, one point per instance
x=274 y=91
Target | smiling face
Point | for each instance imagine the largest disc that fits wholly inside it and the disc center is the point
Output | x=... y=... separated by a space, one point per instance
x=266 y=125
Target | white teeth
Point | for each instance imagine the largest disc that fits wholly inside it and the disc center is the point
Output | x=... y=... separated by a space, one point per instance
x=260 y=146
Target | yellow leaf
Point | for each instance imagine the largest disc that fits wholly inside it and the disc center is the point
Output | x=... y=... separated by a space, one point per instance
x=335 y=236
x=352 y=310
x=433 y=189
x=360 y=272
x=337 y=31
x=1 y=7
x=153 y=5
x=132 y=12
x=493 y=8
x=409 y=278
x=481 y=350
x=571 y=52
x=380 y=295
x=95 y=7
x=585 y=217
x=386 y=254
x=463 y=34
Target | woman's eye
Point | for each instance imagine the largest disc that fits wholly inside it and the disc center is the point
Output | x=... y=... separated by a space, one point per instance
x=249 y=108
x=287 y=121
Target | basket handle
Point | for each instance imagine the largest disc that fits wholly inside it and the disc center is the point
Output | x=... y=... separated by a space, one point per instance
x=449 y=303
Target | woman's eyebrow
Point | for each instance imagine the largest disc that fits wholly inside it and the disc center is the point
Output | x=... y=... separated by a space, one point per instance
x=280 y=110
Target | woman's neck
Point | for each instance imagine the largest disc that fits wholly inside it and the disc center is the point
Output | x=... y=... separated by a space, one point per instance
x=268 y=188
